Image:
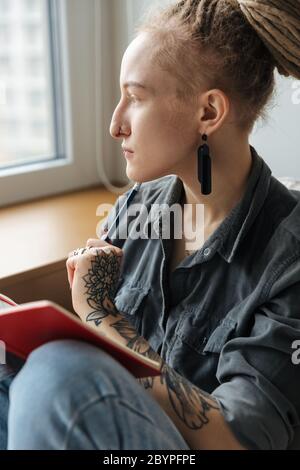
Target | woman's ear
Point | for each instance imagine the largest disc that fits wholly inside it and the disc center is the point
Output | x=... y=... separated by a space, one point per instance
x=215 y=107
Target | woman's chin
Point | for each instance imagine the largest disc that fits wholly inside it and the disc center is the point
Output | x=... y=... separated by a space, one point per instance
x=141 y=176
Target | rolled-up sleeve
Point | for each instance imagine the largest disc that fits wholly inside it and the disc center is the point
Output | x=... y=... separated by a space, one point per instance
x=259 y=391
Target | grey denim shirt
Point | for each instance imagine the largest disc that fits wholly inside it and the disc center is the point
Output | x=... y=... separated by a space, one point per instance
x=227 y=317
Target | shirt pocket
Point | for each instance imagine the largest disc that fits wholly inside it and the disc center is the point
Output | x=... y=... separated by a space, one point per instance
x=200 y=334
x=220 y=336
x=130 y=301
x=192 y=329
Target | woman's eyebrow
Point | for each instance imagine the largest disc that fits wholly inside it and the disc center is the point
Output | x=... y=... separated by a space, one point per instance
x=139 y=85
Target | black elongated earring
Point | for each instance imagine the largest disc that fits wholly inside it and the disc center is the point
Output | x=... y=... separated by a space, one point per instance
x=204 y=167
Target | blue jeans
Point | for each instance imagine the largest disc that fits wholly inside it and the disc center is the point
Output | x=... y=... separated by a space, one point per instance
x=72 y=395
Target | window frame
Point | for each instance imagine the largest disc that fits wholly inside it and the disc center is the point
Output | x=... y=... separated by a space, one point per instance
x=73 y=53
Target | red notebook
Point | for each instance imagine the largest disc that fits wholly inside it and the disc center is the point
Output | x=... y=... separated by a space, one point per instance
x=25 y=327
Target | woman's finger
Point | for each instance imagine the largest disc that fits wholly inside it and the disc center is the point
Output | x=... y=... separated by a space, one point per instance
x=108 y=249
x=70 y=264
x=82 y=254
x=94 y=242
x=78 y=251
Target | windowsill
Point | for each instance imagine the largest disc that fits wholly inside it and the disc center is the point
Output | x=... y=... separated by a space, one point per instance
x=36 y=237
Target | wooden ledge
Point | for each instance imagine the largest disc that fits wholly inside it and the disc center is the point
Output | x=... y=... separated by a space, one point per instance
x=36 y=237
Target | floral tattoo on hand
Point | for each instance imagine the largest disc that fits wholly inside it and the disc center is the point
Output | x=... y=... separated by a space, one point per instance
x=101 y=282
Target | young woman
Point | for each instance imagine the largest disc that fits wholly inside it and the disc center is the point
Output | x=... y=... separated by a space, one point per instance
x=223 y=318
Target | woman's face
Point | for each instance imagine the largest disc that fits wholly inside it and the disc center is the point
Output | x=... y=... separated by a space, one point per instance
x=162 y=133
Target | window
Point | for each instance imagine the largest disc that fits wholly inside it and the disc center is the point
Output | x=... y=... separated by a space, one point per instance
x=5 y=33
x=31 y=5
x=36 y=98
x=5 y=65
x=47 y=98
x=5 y=6
x=32 y=33
x=28 y=73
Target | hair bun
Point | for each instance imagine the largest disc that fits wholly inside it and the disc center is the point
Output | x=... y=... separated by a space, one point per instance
x=277 y=22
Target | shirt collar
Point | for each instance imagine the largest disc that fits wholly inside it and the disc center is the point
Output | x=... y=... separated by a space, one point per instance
x=244 y=214
x=228 y=236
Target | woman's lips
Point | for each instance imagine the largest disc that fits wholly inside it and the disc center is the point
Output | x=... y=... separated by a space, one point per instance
x=128 y=154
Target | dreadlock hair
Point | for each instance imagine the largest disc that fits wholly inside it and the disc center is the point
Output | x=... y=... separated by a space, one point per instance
x=232 y=45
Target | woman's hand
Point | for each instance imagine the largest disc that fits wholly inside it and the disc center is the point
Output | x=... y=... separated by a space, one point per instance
x=93 y=274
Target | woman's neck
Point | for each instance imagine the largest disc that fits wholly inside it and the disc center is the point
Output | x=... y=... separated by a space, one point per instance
x=231 y=167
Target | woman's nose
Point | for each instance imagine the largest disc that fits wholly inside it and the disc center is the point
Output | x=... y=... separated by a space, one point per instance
x=117 y=131
x=114 y=129
x=118 y=128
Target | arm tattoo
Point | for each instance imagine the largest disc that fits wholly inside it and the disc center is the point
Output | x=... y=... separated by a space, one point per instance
x=101 y=281
x=190 y=404
x=138 y=344
x=135 y=341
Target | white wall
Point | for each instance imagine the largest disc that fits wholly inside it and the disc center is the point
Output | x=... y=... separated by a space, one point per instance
x=278 y=139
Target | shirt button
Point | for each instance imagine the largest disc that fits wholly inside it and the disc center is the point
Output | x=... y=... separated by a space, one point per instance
x=207 y=252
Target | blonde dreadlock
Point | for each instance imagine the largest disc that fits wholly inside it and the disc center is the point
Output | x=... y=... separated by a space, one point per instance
x=278 y=25
x=233 y=45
